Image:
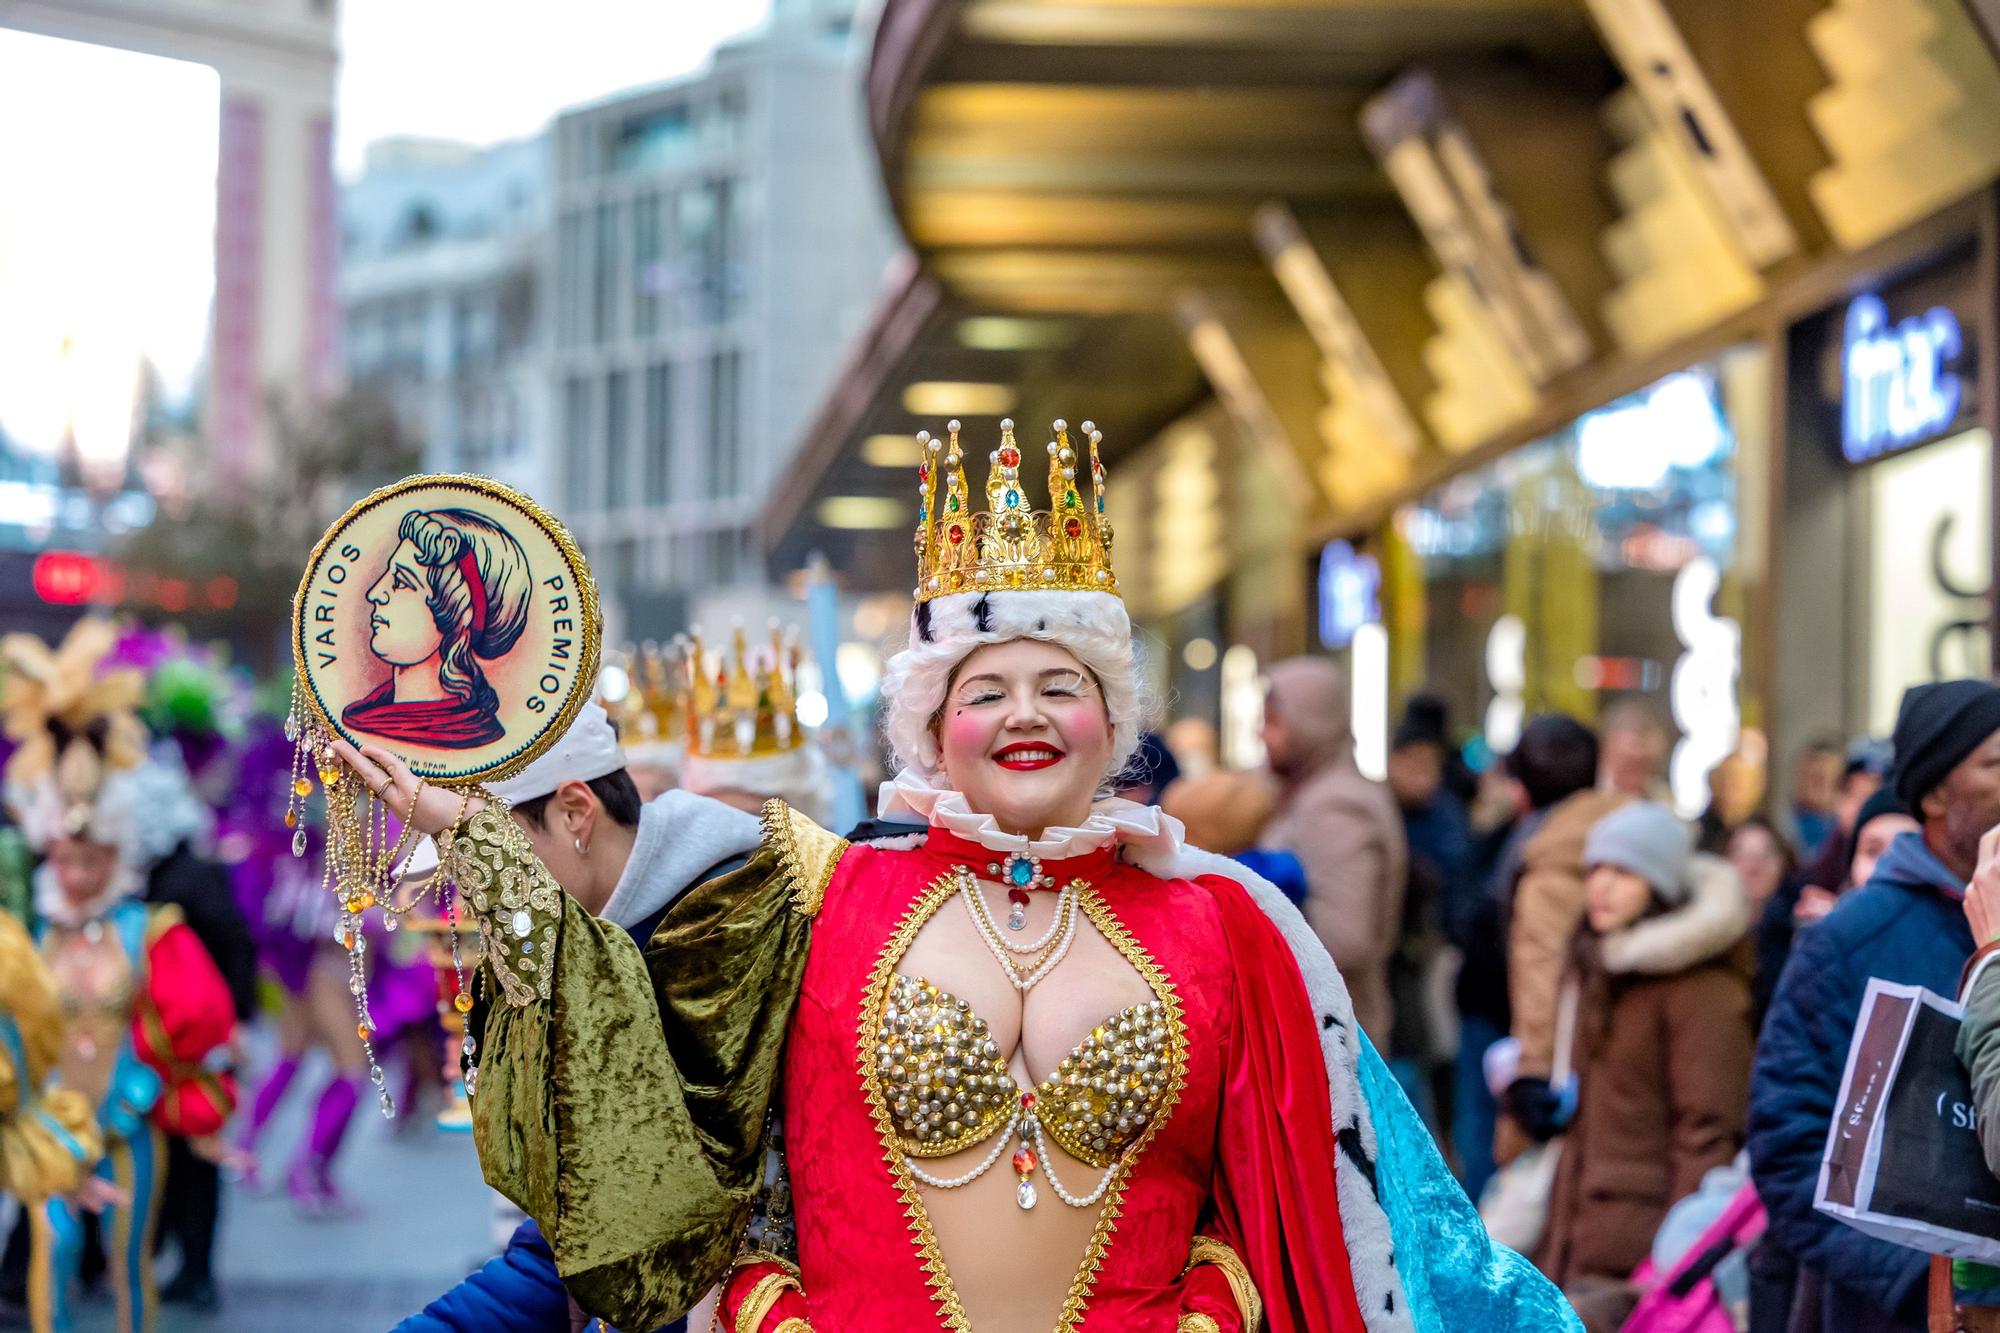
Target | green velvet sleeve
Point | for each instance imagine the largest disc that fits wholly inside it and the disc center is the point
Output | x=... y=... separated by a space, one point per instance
x=621 y=1097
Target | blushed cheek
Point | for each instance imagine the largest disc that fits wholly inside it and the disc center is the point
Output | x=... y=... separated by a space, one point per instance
x=963 y=732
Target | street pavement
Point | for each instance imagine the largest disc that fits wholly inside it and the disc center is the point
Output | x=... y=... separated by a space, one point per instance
x=426 y=1219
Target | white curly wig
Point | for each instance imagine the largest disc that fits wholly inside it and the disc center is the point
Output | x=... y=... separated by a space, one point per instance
x=945 y=630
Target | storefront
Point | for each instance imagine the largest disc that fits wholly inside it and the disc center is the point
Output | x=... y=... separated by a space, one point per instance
x=1599 y=565
x=1889 y=500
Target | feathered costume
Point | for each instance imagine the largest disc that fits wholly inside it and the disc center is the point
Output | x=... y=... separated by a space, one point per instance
x=1255 y=1163
x=147 y=1010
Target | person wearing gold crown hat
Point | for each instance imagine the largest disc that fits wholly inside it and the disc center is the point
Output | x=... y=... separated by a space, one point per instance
x=743 y=743
x=1041 y=1065
x=146 y=1007
x=650 y=716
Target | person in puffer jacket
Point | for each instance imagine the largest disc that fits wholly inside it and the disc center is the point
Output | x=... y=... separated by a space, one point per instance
x=1661 y=1049
x=1905 y=925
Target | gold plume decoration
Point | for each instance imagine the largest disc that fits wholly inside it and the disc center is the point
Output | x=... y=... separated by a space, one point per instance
x=739 y=705
x=69 y=720
x=1011 y=546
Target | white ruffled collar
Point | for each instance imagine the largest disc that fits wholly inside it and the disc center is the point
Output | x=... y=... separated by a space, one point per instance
x=1143 y=831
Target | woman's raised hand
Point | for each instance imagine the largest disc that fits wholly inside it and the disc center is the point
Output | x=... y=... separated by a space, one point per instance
x=428 y=809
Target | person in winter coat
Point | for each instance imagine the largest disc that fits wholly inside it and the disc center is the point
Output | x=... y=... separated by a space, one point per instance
x=1905 y=925
x=1555 y=758
x=1800 y=901
x=1344 y=828
x=1661 y=1051
x=1548 y=909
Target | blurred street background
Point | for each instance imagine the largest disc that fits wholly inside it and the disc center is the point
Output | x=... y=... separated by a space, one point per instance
x=1628 y=360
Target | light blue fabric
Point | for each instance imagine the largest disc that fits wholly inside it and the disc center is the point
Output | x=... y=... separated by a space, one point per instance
x=1455 y=1276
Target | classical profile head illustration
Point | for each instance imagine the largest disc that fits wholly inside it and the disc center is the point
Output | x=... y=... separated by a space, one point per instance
x=453 y=594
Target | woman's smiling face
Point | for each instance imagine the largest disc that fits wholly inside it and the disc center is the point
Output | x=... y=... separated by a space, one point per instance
x=402 y=630
x=1024 y=734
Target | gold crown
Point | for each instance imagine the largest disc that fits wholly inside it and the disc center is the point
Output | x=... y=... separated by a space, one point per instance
x=654 y=706
x=1066 y=547
x=735 y=708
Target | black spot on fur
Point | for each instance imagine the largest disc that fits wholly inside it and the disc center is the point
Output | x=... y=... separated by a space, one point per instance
x=1349 y=1139
x=982 y=614
x=924 y=622
x=1326 y=1021
x=1042 y=625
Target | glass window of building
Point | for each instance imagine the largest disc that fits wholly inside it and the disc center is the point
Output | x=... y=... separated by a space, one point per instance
x=653 y=141
x=617 y=443
x=1592 y=567
x=725 y=376
x=659 y=445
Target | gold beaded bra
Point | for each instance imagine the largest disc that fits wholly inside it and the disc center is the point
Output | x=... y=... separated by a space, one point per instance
x=948 y=1088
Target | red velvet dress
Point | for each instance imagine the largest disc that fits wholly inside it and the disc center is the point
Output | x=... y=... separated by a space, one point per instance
x=1242 y=1153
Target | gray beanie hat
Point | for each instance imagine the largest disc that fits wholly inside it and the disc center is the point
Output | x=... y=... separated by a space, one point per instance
x=1647 y=839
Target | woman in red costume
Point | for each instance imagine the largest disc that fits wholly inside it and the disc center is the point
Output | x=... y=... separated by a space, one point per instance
x=453 y=593
x=1042 y=1066
x=145 y=1007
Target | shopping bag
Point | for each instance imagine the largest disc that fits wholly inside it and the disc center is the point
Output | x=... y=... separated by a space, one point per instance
x=1902 y=1159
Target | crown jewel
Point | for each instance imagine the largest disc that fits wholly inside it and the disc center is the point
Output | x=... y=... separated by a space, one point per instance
x=739 y=706
x=1066 y=547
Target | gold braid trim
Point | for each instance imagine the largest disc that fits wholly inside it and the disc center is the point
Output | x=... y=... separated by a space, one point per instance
x=1197 y=1323
x=794 y=1326
x=508 y=888
x=874 y=999
x=808 y=852
x=1209 y=1250
x=750 y=1315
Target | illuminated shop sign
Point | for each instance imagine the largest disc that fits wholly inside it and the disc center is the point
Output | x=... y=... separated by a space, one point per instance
x=1350 y=586
x=1900 y=383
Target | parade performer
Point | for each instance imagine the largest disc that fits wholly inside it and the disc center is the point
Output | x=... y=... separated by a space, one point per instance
x=1046 y=1067
x=146 y=1008
x=741 y=741
x=48 y=1136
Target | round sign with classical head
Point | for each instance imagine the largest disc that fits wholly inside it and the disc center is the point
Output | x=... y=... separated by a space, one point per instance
x=451 y=621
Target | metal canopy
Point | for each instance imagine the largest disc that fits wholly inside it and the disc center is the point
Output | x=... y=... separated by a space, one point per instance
x=1063 y=170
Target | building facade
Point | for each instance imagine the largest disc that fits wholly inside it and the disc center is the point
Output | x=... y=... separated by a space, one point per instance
x=444 y=292
x=716 y=242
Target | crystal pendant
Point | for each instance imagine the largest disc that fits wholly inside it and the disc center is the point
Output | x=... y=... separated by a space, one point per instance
x=472 y=1080
x=375 y=1075
x=1024 y=1194
x=388 y=1107
x=292 y=728
x=1018 y=918
x=391 y=924
x=469 y=1046
x=299 y=843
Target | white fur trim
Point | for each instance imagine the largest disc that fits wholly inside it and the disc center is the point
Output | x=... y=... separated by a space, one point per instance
x=1091 y=625
x=1711 y=921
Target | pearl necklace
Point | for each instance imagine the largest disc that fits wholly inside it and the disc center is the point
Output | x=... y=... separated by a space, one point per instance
x=1066 y=914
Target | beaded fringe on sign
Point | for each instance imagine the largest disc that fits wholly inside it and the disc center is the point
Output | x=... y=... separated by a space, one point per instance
x=363 y=863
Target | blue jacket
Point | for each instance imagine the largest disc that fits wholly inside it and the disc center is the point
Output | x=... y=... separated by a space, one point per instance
x=518 y=1292
x=1905 y=925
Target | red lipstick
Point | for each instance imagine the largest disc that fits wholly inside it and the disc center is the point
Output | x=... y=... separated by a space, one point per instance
x=1027 y=756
